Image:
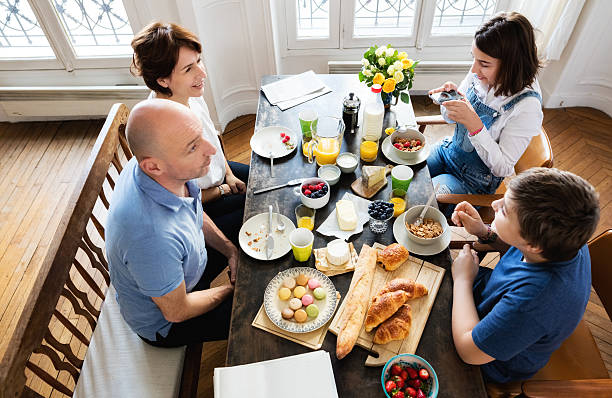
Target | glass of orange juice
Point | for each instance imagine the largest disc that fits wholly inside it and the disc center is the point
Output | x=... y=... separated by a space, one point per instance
x=326 y=140
x=399 y=203
x=368 y=150
x=305 y=217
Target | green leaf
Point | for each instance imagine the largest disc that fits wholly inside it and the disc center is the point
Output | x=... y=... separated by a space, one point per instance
x=361 y=77
x=405 y=98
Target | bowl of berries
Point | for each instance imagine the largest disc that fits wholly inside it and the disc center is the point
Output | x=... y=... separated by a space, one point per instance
x=380 y=213
x=409 y=376
x=314 y=193
x=407 y=143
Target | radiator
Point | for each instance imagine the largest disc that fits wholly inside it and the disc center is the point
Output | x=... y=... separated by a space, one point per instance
x=424 y=67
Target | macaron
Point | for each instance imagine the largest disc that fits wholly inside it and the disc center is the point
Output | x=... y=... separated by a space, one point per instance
x=284 y=293
x=307 y=300
x=313 y=283
x=295 y=304
x=312 y=310
x=300 y=316
x=299 y=291
x=289 y=283
x=319 y=293
x=302 y=279
x=287 y=313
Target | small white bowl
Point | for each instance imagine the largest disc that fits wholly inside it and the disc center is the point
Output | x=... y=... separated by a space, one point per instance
x=411 y=359
x=330 y=173
x=433 y=213
x=407 y=133
x=347 y=162
x=314 y=203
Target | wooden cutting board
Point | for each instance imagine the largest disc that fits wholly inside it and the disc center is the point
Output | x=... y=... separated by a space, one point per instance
x=361 y=190
x=421 y=271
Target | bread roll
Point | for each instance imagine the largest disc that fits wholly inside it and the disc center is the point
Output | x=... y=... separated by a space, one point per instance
x=383 y=307
x=414 y=290
x=393 y=256
x=357 y=299
x=395 y=328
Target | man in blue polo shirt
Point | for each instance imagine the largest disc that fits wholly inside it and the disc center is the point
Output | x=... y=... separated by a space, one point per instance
x=163 y=250
x=511 y=319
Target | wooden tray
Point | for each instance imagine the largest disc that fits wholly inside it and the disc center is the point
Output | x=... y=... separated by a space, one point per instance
x=358 y=187
x=423 y=272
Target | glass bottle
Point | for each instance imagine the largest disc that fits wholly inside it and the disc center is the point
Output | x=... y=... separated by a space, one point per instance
x=373 y=115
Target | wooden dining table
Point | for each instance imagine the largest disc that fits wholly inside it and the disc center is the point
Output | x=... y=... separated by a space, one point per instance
x=247 y=344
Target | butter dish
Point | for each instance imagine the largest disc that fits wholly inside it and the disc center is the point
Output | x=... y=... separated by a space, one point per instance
x=330 y=226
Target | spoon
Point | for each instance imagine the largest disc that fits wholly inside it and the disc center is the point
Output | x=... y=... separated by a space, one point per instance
x=419 y=219
x=271 y=164
x=280 y=224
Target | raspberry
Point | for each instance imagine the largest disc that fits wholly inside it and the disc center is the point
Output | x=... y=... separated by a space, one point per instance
x=307 y=192
x=282 y=134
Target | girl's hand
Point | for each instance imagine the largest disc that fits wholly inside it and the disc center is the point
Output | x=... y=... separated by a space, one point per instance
x=461 y=111
x=448 y=86
x=235 y=184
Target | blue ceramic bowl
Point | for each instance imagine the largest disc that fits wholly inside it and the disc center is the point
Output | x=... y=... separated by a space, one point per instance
x=410 y=359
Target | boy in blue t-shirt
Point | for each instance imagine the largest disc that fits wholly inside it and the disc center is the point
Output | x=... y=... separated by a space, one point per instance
x=512 y=318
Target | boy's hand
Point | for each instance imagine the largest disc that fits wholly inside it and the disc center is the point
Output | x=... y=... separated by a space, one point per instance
x=465 y=266
x=465 y=215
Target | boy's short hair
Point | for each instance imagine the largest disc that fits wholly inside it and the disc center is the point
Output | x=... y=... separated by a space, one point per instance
x=156 y=50
x=509 y=37
x=557 y=211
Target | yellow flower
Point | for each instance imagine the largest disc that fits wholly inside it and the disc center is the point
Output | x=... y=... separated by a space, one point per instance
x=379 y=78
x=398 y=76
x=407 y=63
x=389 y=130
x=402 y=55
x=389 y=85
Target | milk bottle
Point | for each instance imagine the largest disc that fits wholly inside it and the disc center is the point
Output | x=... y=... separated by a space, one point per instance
x=373 y=115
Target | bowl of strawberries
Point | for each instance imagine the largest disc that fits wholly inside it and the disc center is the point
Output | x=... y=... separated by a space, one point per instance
x=407 y=143
x=314 y=193
x=409 y=376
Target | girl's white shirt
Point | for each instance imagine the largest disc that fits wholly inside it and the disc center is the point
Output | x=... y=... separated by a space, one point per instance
x=216 y=170
x=501 y=146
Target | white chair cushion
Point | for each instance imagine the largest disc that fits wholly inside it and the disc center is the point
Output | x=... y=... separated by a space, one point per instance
x=119 y=364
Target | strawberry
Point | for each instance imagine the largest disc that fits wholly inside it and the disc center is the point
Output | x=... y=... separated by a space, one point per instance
x=282 y=134
x=398 y=381
x=396 y=370
x=307 y=192
x=410 y=392
x=398 y=394
x=418 y=142
x=412 y=373
x=424 y=374
x=416 y=383
x=420 y=394
x=404 y=375
x=390 y=386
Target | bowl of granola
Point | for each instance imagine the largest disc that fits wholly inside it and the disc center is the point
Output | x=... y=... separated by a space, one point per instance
x=407 y=143
x=431 y=230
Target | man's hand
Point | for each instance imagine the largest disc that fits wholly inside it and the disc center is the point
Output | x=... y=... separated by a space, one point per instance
x=461 y=111
x=235 y=184
x=465 y=266
x=465 y=215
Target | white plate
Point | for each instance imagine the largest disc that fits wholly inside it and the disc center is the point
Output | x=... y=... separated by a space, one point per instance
x=389 y=154
x=401 y=236
x=257 y=227
x=268 y=139
x=274 y=305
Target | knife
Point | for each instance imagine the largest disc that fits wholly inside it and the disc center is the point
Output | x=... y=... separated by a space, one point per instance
x=288 y=183
x=270 y=240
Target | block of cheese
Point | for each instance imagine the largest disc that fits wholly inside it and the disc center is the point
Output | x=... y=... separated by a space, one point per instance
x=372 y=175
x=337 y=252
x=347 y=217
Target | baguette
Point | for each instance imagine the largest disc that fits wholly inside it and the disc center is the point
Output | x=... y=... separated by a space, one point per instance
x=357 y=299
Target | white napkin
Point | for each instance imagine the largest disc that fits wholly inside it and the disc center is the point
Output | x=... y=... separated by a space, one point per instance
x=293 y=87
x=284 y=105
x=330 y=226
x=277 y=378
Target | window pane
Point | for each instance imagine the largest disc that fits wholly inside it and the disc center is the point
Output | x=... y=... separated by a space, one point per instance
x=312 y=19
x=20 y=33
x=460 y=17
x=384 y=17
x=96 y=27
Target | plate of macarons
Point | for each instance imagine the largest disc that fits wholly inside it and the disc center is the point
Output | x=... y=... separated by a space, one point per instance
x=300 y=299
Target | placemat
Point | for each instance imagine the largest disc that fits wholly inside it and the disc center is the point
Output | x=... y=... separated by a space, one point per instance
x=313 y=340
x=329 y=269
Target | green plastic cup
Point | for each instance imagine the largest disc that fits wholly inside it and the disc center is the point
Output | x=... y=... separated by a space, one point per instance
x=401 y=176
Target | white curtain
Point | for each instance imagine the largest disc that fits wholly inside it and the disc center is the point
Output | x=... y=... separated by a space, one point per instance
x=555 y=21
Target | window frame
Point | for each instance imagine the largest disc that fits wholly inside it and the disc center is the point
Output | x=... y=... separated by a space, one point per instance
x=295 y=43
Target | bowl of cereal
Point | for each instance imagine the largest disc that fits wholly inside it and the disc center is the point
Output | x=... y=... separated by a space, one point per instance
x=407 y=143
x=431 y=230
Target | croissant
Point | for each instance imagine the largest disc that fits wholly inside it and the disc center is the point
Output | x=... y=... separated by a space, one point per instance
x=383 y=306
x=393 y=256
x=395 y=328
x=414 y=290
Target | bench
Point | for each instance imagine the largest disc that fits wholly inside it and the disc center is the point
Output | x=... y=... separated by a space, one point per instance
x=71 y=317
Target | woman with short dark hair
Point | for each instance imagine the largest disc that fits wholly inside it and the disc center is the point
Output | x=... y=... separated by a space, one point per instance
x=168 y=57
x=501 y=111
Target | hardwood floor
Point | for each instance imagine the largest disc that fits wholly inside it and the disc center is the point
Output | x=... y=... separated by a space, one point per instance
x=38 y=162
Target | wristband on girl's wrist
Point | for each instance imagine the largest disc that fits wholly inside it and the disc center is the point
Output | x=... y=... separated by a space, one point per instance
x=473 y=133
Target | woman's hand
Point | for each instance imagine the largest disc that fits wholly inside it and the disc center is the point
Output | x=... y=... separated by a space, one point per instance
x=235 y=184
x=232 y=262
x=465 y=215
x=465 y=266
x=448 y=86
x=461 y=111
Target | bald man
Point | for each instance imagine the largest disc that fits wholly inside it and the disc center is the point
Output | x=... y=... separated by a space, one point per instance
x=163 y=250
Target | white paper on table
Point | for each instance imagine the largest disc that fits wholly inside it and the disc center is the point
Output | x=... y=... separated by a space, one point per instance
x=284 y=105
x=330 y=226
x=277 y=378
x=292 y=87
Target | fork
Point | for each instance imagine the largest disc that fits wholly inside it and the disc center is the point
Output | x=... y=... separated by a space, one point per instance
x=419 y=219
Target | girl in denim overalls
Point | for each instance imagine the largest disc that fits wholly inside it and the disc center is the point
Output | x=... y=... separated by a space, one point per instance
x=499 y=115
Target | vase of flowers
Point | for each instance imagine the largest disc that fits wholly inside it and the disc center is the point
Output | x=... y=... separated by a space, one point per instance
x=392 y=69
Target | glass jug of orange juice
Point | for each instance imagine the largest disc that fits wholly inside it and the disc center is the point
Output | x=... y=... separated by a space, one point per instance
x=326 y=141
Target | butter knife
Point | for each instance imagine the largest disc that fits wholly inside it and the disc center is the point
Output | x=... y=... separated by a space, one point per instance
x=270 y=240
x=288 y=183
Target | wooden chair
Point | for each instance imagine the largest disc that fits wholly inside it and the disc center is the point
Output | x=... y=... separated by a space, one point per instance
x=538 y=154
x=576 y=369
x=76 y=261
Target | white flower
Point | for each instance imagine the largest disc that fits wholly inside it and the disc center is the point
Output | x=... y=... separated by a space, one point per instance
x=367 y=72
x=390 y=51
x=391 y=70
x=365 y=62
x=398 y=76
x=398 y=65
x=379 y=51
x=381 y=61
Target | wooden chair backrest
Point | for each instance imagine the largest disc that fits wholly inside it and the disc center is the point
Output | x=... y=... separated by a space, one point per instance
x=538 y=154
x=600 y=249
x=73 y=261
